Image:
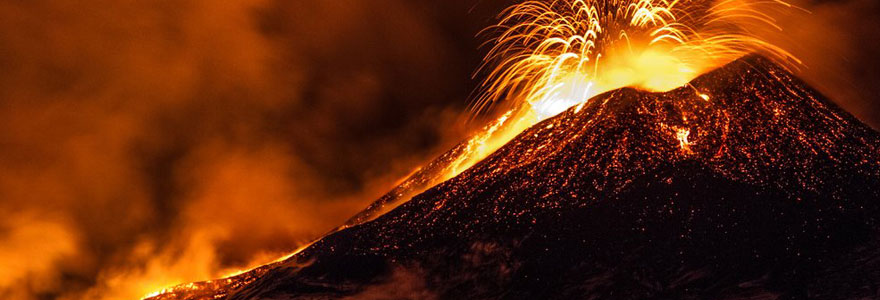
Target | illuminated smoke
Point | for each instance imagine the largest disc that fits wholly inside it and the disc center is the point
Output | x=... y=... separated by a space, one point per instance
x=152 y=143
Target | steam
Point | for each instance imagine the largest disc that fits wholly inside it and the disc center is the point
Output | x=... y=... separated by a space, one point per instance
x=32 y=253
x=151 y=143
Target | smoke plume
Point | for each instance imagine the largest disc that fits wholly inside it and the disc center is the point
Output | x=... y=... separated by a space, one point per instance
x=150 y=143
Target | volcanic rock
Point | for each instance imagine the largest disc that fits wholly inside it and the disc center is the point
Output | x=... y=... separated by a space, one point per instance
x=745 y=184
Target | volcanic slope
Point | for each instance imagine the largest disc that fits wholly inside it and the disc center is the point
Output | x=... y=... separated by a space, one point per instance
x=747 y=184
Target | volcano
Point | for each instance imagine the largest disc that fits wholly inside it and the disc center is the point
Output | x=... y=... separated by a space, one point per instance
x=744 y=184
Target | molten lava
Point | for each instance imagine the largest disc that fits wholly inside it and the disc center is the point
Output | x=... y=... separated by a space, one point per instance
x=551 y=55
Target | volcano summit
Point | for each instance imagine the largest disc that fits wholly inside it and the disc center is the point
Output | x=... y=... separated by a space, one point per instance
x=744 y=184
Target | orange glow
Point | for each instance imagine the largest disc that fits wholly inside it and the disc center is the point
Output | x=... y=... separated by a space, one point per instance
x=682 y=135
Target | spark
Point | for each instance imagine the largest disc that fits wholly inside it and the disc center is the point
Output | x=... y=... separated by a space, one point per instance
x=682 y=135
x=704 y=96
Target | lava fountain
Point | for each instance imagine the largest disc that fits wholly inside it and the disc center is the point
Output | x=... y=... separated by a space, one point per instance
x=547 y=56
x=552 y=55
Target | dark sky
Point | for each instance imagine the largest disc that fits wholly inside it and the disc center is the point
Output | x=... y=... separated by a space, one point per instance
x=141 y=138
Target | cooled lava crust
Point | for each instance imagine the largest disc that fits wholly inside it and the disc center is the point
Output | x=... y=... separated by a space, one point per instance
x=767 y=190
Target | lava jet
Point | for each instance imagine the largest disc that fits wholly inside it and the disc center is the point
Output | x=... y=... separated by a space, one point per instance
x=744 y=184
